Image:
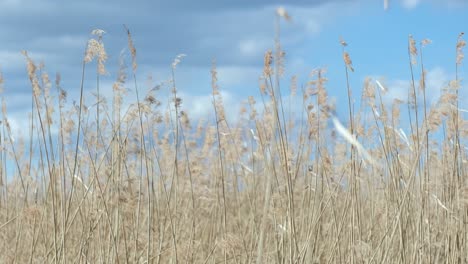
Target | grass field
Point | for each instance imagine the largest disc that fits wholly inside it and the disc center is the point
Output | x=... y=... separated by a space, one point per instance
x=109 y=181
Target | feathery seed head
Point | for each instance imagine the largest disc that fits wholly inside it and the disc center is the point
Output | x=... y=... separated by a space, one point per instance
x=267 y=62
x=347 y=61
x=426 y=42
x=98 y=32
x=1 y=82
x=461 y=43
x=343 y=42
x=177 y=60
x=281 y=12
x=412 y=49
x=95 y=49
x=132 y=48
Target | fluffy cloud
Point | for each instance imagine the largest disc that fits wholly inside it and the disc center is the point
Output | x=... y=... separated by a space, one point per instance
x=231 y=31
x=410 y=4
x=436 y=79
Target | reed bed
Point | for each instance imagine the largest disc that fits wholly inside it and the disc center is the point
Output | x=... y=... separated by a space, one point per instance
x=110 y=181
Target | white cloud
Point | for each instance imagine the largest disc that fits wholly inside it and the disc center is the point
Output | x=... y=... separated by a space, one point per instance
x=254 y=46
x=19 y=125
x=25 y=7
x=10 y=60
x=312 y=26
x=15 y=61
x=436 y=79
x=200 y=107
x=312 y=20
x=410 y=4
x=396 y=89
x=229 y=76
x=63 y=40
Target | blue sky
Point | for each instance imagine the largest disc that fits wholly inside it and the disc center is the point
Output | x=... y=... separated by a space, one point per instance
x=236 y=33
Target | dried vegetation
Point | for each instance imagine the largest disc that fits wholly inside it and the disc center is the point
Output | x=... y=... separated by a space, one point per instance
x=99 y=183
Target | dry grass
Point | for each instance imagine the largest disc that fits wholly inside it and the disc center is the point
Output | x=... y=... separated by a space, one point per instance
x=106 y=184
